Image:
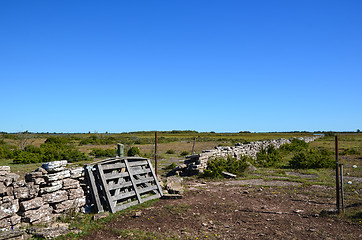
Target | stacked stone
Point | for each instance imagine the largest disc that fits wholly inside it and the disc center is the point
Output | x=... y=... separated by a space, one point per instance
x=9 y=206
x=196 y=164
x=55 y=186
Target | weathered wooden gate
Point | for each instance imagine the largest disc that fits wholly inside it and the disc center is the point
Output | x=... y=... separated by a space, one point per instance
x=118 y=183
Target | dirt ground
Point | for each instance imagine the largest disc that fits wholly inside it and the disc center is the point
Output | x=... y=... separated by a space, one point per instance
x=237 y=210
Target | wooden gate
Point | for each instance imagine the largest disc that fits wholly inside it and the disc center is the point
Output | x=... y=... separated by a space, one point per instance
x=118 y=183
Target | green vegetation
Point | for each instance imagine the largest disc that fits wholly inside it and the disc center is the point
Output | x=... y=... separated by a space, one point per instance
x=184 y=153
x=296 y=145
x=268 y=157
x=350 y=151
x=216 y=166
x=53 y=149
x=170 y=167
x=98 y=152
x=170 y=151
x=313 y=158
x=133 y=151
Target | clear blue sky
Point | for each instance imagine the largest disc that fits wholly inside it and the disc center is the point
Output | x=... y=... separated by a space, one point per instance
x=224 y=66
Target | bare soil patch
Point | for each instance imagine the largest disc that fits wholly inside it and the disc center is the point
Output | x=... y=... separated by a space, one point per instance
x=238 y=210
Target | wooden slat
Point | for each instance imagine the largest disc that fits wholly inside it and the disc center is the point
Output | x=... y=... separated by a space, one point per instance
x=128 y=184
x=119 y=186
x=93 y=189
x=147 y=189
x=127 y=205
x=138 y=163
x=132 y=179
x=123 y=196
x=113 y=166
x=109 y=176
x=151 y=197
x=154 y=175
x=105 y=187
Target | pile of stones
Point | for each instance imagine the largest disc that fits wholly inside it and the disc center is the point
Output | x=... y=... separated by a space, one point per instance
x=46 y=193
x=195 y=164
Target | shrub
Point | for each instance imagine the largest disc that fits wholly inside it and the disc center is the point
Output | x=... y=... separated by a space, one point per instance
x=296 y=145
x=170 y=151
x=350 y=151
x=314 y=158
x=133 y=151
x=6 y=151
x=268 y=157
x=52 y=150
x=27 y=157
x=184 y=153
x=171 y=166
x=216 y=166
x=98 y=152
x=57 y=140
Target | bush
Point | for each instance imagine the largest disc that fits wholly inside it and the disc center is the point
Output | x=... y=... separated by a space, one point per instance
x=54 y=149
x=350 y=151
x=57 y=140
x=170 y=151
x=170 y=167
x=314 y=158
x=268 y=157
x=97 y=152
x=133 y=151
x=6 y=151
x=26 y=157
x=296 y=145
x=216 y=166
x=184 y=153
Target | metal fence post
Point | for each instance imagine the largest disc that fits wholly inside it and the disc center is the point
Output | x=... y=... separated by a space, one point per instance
x=337 y=177
x=342 y=194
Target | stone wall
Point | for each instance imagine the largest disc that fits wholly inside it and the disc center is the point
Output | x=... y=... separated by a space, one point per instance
x=196 y=164
x=46 y=193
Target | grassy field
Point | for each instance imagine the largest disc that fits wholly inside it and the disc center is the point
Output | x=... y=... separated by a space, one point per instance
x=176 y=141
x=172 y=144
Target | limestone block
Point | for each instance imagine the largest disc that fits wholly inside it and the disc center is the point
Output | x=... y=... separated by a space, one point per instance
x=42 y=170
x=50 y=189
x=3 y=189
x=56 y=183
x=67 y=205
x=29 y=177
x=31 y=204
x=55 y=197
x=77 y=172
x=16 y=219
x=173 y=185
x=8 y=209
x=57 y=176
x=38 y=181
x=13 y=234
x=80 y=202
x=4 y=170
x=69 y=183
x=7 y=199
x=42 y=214
x=28 y=191
x=5 y=223
x=9 y=178
x=75 y=193
x=55 y=166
